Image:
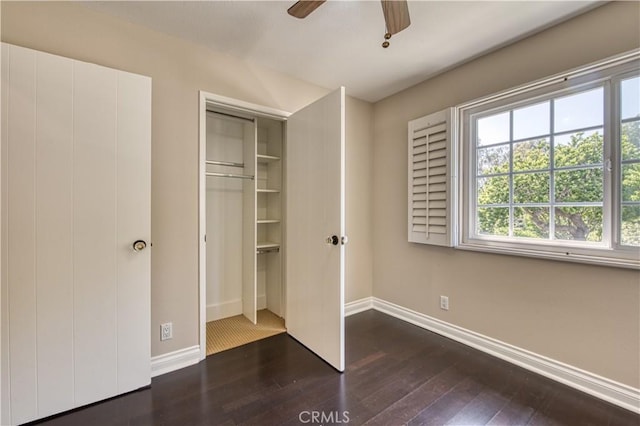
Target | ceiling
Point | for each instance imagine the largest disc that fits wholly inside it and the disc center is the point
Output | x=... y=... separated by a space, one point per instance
x=340 y=43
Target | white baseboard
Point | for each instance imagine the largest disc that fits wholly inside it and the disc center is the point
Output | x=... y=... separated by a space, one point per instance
x=357 y=306
x=224 y=310
x=614 y=392
x=232 y=308
x=176 y=360
x=261 y=301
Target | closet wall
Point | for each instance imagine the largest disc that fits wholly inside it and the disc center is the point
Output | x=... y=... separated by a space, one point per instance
x=224 y=212
x=243 y=215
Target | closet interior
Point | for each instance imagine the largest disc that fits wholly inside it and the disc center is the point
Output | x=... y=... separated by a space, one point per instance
x=244 y=229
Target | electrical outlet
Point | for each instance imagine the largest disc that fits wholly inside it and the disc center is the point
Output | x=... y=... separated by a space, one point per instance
x=166 y=331
x=444 y=303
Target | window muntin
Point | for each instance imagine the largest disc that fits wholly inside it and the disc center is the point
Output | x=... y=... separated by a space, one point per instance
x=542 y=178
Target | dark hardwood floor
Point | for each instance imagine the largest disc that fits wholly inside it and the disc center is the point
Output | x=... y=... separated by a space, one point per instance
x=396 y=374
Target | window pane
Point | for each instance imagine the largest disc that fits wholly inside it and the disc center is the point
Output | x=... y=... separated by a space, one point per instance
x=630 y=140
x=630 y=229
x=531 y=188
x=493 y=160
x=577 y=149
x=579 y=223
x=578 y=111
x=531 y=121
x=630 y=98
x=531 y=155
x=631 y=182
x=583 y=185
x=531 y=222
x=493 y=190
x=493 y=129
x=493 y=221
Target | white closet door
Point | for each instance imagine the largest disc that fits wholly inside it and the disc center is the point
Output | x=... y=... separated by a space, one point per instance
x=76 y=195
x=316 y=212
x=54 y=226
x=94 y=236
x=133 y=219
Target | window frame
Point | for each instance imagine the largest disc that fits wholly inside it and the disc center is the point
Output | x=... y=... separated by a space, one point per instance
x=607 y=74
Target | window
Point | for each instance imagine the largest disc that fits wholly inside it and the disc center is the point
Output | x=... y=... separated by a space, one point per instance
x=553 y=169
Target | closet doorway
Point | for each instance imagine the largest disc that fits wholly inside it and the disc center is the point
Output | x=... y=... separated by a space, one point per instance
x=263 y=252
x=243 y=165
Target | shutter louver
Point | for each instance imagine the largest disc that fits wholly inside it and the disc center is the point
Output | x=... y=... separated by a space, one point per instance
x=432 y=179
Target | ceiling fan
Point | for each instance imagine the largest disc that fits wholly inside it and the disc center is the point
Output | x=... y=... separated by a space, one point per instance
x=396 y=14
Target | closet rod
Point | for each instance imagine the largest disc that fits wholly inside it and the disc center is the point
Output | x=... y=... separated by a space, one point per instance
x=228 y=175
x=231 y=115
x=268 y=250
x=224 y=163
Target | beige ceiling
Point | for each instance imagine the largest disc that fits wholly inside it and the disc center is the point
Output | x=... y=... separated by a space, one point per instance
x=340 y=43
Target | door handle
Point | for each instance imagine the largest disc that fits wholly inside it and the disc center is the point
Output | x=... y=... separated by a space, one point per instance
x=139 y=245
x=333 y=240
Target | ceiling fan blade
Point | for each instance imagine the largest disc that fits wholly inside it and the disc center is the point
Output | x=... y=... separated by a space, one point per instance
x=396 y=15
x=301 y=9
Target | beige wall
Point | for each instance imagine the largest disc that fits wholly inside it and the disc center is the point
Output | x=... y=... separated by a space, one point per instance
x=583 y=315
x=179 y=70
x=359 y=200
x=586 y=316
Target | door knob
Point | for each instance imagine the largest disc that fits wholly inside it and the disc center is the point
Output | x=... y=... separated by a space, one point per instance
x=334 y=240
x=139 y=245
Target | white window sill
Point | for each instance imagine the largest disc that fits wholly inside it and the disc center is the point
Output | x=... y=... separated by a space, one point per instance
x=595 y=257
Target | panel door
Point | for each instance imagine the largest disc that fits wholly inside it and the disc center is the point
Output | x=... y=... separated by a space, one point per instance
x=75 y=196
x=315 y=218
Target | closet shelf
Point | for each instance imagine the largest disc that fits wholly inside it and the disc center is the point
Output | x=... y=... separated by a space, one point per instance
x=267 y=190
x=266 y=158
x=268 y=221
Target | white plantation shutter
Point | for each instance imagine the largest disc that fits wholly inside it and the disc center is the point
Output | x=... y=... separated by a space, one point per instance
x=432 y=179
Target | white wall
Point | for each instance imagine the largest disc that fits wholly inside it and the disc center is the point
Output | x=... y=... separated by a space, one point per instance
x=224 y=213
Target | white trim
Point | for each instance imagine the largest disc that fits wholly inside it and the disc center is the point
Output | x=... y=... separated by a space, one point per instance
x=261 y=302
x=609 y=390
x=358 y=306
x=231 y=308
x=227 y=309
x=568 y=255
x=202 y=224
x=242 y=106
x=175 y=360
x=558 y=78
